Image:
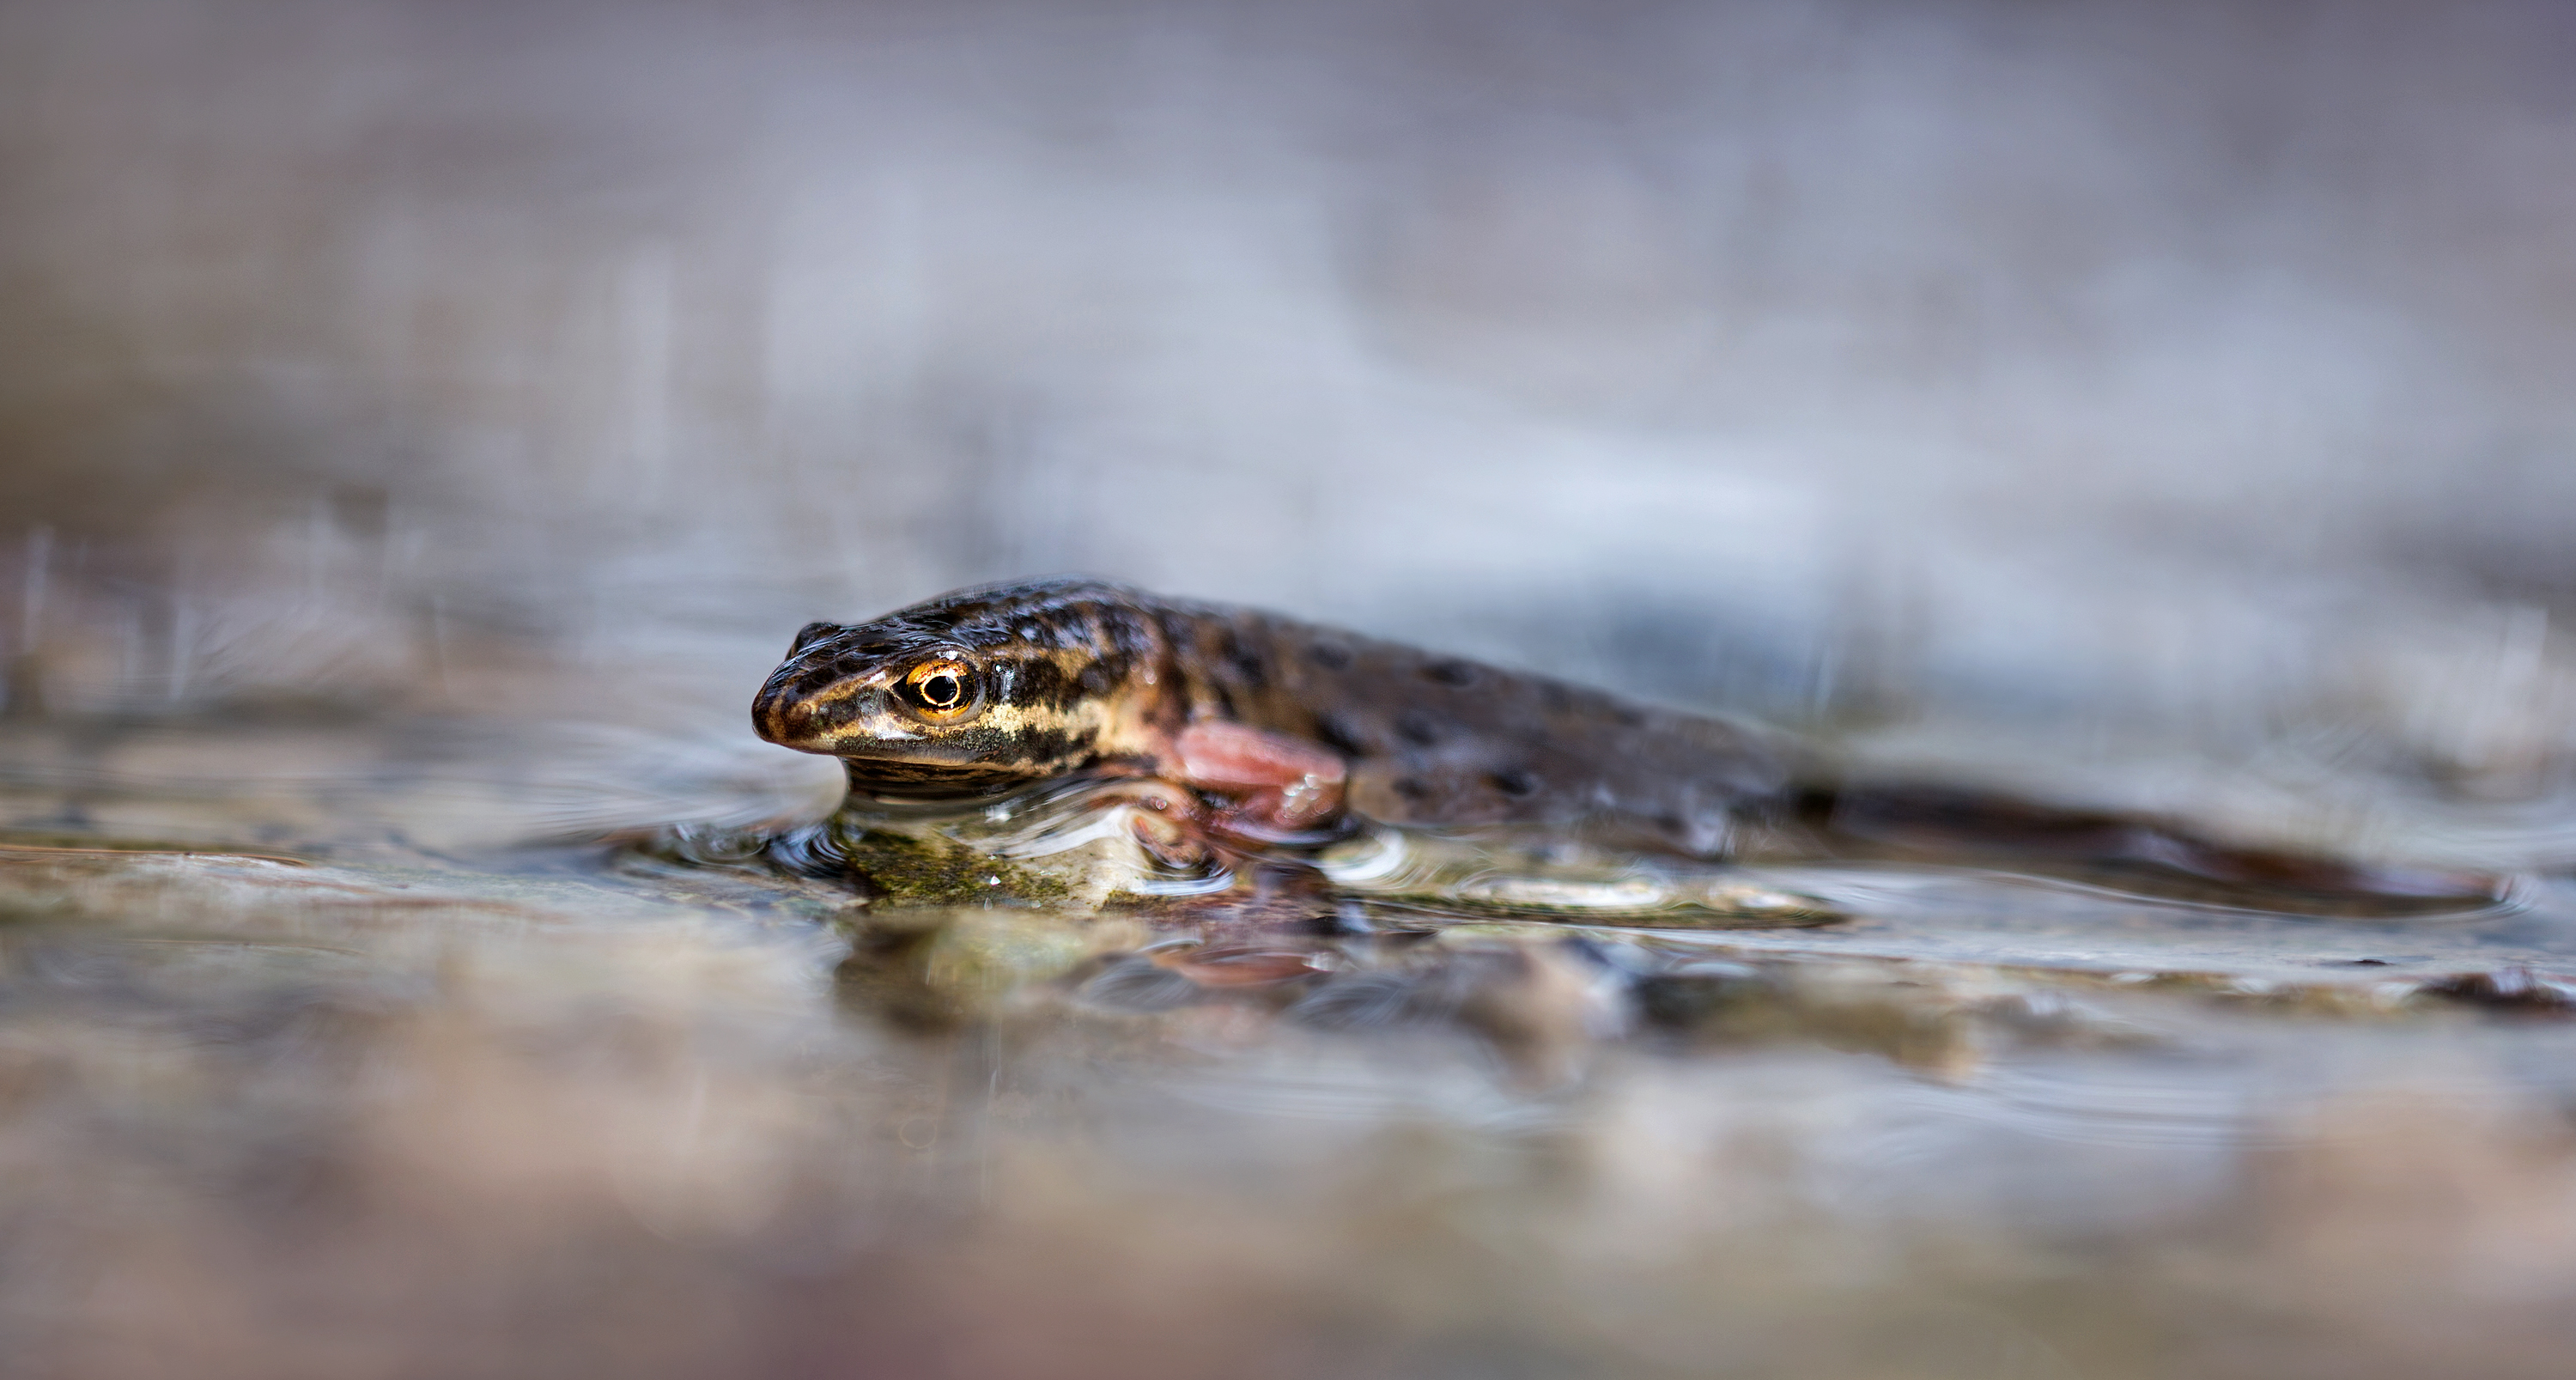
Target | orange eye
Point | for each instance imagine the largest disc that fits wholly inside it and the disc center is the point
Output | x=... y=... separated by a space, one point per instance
x=942 y=689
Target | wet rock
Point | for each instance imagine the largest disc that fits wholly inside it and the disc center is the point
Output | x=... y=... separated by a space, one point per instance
x=2508 y=989
x=1936 y=1022
x=915 y=870
x=1520 y=875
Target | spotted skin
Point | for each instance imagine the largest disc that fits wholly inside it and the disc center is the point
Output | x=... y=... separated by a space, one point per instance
x=1080 y=675
x=1289 y=723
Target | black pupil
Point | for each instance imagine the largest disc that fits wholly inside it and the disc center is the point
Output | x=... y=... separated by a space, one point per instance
x=940 y=691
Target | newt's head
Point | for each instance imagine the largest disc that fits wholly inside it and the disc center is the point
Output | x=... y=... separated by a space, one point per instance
x=973 y=691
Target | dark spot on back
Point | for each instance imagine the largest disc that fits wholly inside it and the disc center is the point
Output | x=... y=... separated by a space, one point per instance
x=1457 y=673
x=1095 y=679
x=1514 y=781
x=1246 y=662
x=1340 y=734
x=1420 y=727
x=1555 y=698
x=1126 y=631
x=1412 y=787
x=1179 y=630
x=1332 y=656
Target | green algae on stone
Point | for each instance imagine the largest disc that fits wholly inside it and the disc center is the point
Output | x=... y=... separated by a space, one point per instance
x=1060 y=852
x=1066 y=848
x=929 y=870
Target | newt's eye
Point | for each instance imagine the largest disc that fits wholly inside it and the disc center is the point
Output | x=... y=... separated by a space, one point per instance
x=941 y=689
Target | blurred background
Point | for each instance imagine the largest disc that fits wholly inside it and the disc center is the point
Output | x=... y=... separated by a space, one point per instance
x=423 y=424
x=2130 y=401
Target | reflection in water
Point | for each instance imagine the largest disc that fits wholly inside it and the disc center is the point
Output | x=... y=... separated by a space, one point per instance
x=424 y=1098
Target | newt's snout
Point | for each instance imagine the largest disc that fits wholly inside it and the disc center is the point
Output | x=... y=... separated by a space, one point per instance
x=790 y=713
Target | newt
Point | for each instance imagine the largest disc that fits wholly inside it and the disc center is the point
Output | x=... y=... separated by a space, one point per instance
x=1275 y=731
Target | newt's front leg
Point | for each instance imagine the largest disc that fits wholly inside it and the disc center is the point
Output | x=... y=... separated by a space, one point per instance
x=1224 y=786
x=1281 y=788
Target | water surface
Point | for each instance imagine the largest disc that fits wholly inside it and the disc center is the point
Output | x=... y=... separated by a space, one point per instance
x=658 y=1105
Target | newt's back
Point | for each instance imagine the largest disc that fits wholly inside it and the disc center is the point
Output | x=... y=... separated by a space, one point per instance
x=1438 y=740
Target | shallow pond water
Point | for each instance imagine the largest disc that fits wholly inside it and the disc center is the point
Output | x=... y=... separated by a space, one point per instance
x=294 y=1092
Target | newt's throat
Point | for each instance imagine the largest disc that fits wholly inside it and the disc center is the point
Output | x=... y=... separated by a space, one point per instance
x=888 y=779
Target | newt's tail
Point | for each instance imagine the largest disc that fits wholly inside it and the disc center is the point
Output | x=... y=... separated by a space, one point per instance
x=2134 y=853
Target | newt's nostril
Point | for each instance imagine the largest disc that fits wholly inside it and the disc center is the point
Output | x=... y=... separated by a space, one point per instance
x=806 y=719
